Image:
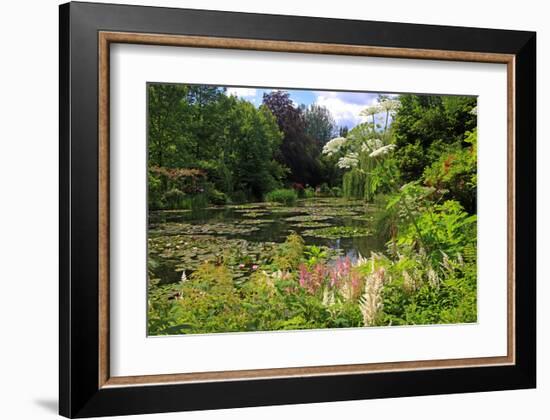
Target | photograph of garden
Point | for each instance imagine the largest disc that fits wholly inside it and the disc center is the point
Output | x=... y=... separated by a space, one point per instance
x=284 y=209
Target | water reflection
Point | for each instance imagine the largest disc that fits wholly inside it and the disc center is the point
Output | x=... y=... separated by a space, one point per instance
x=263 y=223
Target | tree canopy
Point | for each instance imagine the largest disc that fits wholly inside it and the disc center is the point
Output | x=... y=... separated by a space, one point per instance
x=299 y=151
x=426 y=125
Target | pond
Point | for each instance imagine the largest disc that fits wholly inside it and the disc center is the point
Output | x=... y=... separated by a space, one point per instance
x=245 y=236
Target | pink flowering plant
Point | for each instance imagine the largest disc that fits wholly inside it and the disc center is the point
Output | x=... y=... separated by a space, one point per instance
x=339 y=277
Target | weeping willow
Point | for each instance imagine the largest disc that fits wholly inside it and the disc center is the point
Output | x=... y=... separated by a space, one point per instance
x=359 y=182
x=353 y=184
x=364 y=159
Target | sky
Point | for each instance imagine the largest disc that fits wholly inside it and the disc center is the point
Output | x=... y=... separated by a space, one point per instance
x=344 y=106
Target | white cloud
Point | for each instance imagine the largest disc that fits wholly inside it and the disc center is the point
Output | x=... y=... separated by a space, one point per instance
x=241 y=92
x=344 y=111
x=358 y=98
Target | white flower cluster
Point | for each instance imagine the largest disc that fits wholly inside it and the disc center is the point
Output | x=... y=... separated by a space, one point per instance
x=371 y=145
x=349 y=161
x=371 y=110
x=371 y=302
x=390 y=105
x=333 y=146
x=382 y=150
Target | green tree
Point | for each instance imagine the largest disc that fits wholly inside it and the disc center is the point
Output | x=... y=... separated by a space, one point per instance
x=319 y=123
x=252 y=165
x=343 y=131
x=228 y=141
x=298 y=150
x=205 y=103
x=168 y=113
x=425 y=125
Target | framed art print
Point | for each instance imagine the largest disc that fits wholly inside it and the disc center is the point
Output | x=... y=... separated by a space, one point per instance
x=260 y=209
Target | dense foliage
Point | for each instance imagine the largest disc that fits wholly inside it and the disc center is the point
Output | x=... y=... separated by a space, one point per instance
x=306 y=287
x=426 y=126
x=407 y=173
x=241 y=152
x=230 y=141
x=283 y=196
x=299 y=150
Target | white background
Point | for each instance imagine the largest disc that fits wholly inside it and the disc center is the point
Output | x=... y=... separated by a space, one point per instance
x=28 y=222
x=132 y=353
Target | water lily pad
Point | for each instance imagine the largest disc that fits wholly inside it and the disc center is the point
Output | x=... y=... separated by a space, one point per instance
x=336 y=232
x=188 y=252
x=256 y=222
x=254 y=214
x=307 y=218
x=249 y=206
x=334 y=212
x=332 y=202
x=285 y=210
x=311 y=225
x=247 y=234
x=215 y=228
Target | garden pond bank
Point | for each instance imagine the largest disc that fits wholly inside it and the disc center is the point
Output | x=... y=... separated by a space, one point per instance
x=243 y=236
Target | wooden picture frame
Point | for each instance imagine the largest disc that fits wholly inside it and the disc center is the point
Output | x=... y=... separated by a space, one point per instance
x=86 y=32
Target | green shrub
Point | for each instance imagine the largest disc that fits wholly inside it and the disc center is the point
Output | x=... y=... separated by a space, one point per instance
x=442 y=229
x=174 y=199
x=207 y=302
x=154 y=193
x=284 y=196
x=290 y=253
x=420 y=293
x=238 y=197
x=412 y=160
x=217 y=197
x=336 y=191
x=309 y=192
x=455 y=173
x=324 y=189
x=299 y=188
